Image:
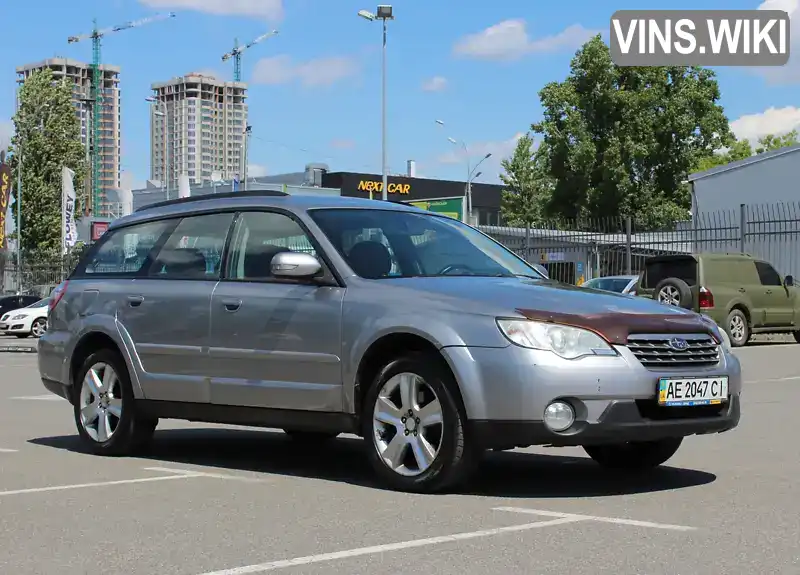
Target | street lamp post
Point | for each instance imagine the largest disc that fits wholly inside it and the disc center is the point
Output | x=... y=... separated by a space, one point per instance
x=471 y=171
x=165 y=177
x=384 y=13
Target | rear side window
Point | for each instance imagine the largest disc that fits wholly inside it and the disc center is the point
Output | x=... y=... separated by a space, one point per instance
x=193 y=249
x=681 y=268
x=768 y=275
x=122 y=252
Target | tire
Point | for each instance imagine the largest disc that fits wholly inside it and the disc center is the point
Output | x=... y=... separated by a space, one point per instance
x=39 y=325
x=455 y=455
x=737 y=324
x=796 y=335
x=310 y=437
x=634 y=456
x=675 y=292
x=129 y=432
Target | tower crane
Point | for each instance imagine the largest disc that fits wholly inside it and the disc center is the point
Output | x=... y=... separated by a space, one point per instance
x=97 y=93
x=236 y=54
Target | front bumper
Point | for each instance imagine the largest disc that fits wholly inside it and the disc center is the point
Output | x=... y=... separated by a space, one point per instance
x=506 y=390
x=622 y=421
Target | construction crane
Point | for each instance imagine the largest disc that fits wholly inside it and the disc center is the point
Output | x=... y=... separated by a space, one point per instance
x=97 y=93
x=236 y=54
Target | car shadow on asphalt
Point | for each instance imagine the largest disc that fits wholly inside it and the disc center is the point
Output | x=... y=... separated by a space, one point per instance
x=502 y=474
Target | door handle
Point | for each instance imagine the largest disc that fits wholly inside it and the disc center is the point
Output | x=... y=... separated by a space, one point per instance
x=232 y=305
x=135 y=300
x=769 y=291
x=742 y=290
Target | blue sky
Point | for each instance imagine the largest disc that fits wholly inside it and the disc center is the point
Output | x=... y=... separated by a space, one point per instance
x=315 y=88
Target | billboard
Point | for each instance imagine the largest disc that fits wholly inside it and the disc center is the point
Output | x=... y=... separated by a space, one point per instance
x=452 y=207
x=5 y=199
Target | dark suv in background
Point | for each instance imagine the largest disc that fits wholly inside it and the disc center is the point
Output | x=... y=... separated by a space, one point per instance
x=742 y=294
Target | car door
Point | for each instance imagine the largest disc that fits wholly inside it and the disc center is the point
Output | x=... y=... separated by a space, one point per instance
x=165 y=309
x=274 y=343
x=779 y=301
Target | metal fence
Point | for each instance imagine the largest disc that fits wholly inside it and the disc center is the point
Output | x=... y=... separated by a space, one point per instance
x=577 y=250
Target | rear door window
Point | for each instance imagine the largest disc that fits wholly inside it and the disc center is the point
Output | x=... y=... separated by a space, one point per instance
x=122 y=252
x=681 y=268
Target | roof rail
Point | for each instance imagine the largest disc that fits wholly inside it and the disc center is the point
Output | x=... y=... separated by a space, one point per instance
x=190 y=199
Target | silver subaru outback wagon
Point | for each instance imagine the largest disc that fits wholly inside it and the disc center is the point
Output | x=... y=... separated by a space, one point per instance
x=322 y=316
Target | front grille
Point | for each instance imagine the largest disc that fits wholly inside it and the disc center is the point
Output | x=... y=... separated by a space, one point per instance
x=655 y=351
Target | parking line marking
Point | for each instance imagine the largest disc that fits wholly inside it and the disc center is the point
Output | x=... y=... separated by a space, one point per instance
x=614 y=520
x=98 y=484
x=4 y=450
x=47 y=397
x=375 y=549
x=206 y=474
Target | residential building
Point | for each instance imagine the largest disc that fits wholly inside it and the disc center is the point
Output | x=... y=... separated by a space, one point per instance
x=79 y=74
x=197 y=127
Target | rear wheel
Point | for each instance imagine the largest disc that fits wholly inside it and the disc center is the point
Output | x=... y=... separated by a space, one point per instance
x=635 y=455
x=105 y=409
x=416 y=427
x=738 y=328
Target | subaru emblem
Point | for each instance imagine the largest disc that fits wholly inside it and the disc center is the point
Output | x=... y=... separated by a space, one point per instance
x=678 y=344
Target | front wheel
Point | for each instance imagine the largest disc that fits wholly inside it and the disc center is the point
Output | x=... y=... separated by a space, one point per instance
x=39 y=327
x=634 y=455
x=105 y=409
x=416 y=428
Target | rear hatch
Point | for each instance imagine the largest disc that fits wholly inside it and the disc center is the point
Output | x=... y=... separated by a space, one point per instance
x=658 y=268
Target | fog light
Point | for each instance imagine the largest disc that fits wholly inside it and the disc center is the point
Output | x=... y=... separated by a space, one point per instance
x=559 y=416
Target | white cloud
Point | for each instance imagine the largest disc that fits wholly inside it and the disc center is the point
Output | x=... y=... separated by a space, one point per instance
x=267 y=9
x=476 y=151
x=790 y=73
x=256 y=170
x=509 y=40
x=771 y=121
x=317 y=72
x=435 y=84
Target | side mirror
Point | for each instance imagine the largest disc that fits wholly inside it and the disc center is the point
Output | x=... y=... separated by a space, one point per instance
x=788 y=281
x=295 y=265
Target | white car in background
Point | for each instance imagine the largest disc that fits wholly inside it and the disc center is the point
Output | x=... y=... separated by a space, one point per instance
x=26 y=321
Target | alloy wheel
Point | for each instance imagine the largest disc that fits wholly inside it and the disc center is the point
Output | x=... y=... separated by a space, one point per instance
x=737 y=328
x=100 y=402
x=38 y=328
x=407 y=424
x=669 y=295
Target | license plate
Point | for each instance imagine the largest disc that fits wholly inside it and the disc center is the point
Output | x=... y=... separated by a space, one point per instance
x=682 y=391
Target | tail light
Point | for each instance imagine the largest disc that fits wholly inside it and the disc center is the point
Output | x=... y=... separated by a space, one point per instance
x=706 y=298
x=56 y=296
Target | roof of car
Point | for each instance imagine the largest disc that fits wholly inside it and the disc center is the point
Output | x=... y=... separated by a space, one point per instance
x=257 y=199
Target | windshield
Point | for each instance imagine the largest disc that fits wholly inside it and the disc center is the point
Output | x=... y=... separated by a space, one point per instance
x=391 y=244
x=40 y=303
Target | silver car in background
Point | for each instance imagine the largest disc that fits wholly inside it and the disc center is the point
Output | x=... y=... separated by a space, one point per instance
x=618 y=284
x=329 y=315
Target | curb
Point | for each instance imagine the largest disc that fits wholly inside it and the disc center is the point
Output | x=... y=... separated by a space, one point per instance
x=17 y=349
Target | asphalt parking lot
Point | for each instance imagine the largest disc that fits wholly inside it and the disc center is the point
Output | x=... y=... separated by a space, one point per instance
x=230 y=501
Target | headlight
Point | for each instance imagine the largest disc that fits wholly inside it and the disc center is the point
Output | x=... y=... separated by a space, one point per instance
x=565 y=341
x=717 y=332
x=20 y=316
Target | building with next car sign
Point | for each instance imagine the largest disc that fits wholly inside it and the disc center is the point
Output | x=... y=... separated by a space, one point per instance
x=485 y=197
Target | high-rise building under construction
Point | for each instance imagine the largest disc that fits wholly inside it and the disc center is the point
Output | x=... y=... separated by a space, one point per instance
x=79 y=74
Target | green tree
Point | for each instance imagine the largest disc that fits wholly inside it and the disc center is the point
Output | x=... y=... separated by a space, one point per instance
x=47 y=136
x=527 y=184
x=772 y=142
x=621 y=140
